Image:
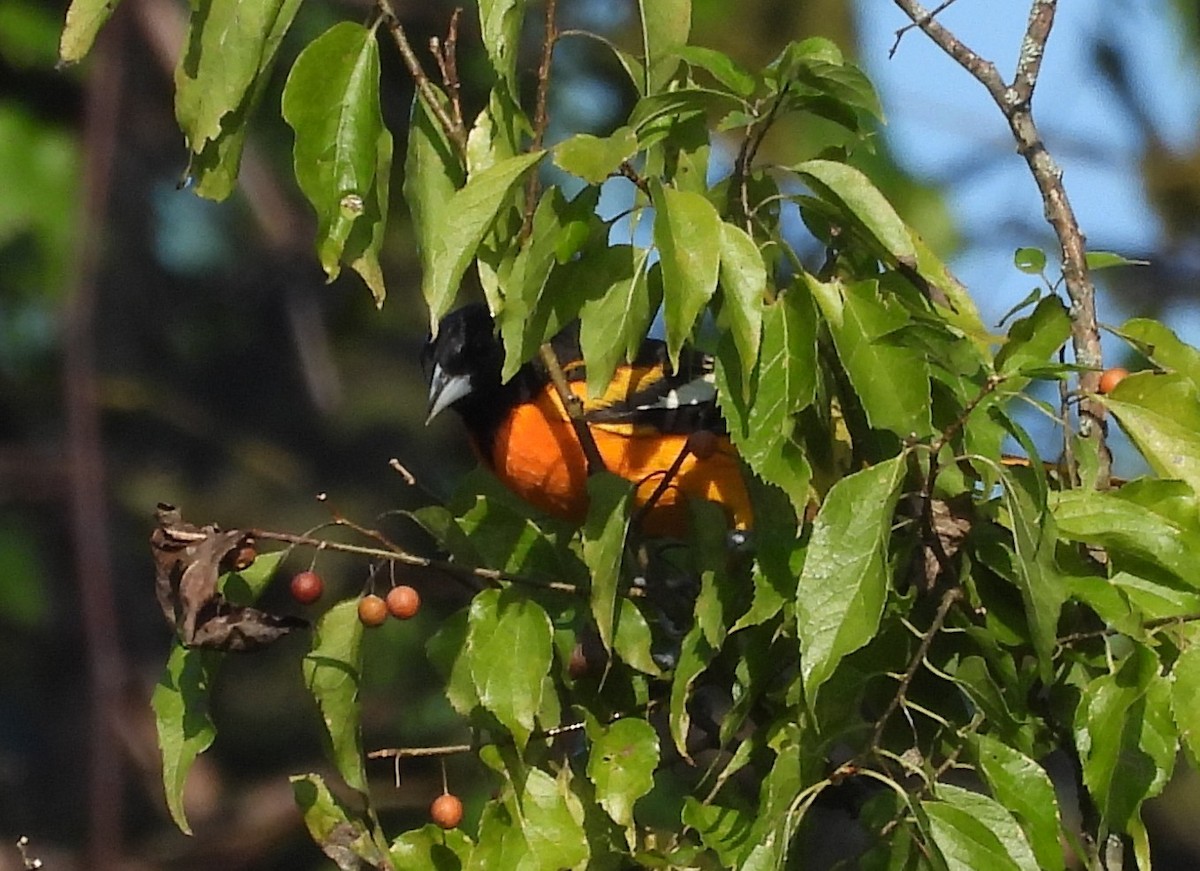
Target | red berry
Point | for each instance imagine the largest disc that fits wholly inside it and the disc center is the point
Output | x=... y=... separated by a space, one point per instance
x=307 y=587
x=372 y=610
x=1110 y=378
x=446 y=810
x=403 y=602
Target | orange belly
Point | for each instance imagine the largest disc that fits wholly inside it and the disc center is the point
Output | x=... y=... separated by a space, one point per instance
x=537 y=455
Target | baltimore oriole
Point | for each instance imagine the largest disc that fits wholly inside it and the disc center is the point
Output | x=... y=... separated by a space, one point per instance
x=640 y=425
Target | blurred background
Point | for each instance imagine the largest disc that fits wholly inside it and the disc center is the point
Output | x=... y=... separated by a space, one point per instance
x=158 y=347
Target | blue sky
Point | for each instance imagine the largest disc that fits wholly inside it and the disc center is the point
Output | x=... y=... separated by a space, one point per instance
x=943 y=126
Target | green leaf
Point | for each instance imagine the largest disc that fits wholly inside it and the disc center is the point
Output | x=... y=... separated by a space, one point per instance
x=1126 y=737
x=973 y=831
x=1161 y=415
x=743 y=291
x=1185 y=698
x=430 y=847
x=341 y=834
x=1031 y=261
x=1162 y=347
x=185 y=730
x=891 y=380
x=500 y=30
x=1035 y=339
x=447 y=652
x=533 y=309
x=610 y=501
x=432 y=173
x=84 y=20
x=221 y=73
x=725 y=830
x=343 y=151
x=594 y=159
x=332 y=672
x=721 y=67
x=687 y=231
x=621 y=764
x=695 y=654
x=1108 y=259
x=779 y=808
x=1133 y=534
x=1042 y=589
x=665 y=28
x=613 y=325
x=632 y=639
x=857 y=198
x=672 y=108
x=844 y=583
x=785 y=382
x=1024 y=788
x=510 y=645
x=466 y=219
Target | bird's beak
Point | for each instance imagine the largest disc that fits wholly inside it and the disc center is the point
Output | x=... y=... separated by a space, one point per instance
x=445 y=390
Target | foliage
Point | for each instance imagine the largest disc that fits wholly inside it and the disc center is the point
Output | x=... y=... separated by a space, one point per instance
x=915 y=604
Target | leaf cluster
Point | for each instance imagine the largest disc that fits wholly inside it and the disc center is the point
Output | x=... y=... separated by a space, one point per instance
x=919 y=615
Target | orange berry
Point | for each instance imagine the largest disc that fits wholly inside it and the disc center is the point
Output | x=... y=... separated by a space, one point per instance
x=372 y=610
x=403 y=602
x=307 y=587
x=1110 y=378
x=446 y=810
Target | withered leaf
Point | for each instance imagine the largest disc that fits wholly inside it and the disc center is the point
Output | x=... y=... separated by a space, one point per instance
x=188 y=561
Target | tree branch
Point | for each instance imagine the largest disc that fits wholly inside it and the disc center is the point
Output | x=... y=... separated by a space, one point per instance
x=1014 y=103
x=455 y=132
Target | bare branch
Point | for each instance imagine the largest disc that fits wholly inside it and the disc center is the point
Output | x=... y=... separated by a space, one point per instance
x=1014 y=103
x=455 y=132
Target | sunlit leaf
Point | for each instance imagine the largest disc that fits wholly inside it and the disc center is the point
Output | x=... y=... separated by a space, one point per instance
x=853 y=193
x=1031 y=261
x=604 y=531
x=665 y=28
x=621 y=764
x=845 y=579
x=687 y=231
x=343 y=150
x=84 y=20
x=743 y=290
x=332 y=673
x=468 y=216
x=973 y=831
x=221 y=73
x=1036 y=338
x=594 y=159
x=510 y=645
x=185 y=729
x=1126 y=737
x=1025 y=789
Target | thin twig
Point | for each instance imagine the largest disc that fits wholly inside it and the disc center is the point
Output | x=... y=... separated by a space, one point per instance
x=410 y=559
x=540 y=116
x=1014 y=102
x=455 y=132
x=575 y=411
x=1108 y=631
x=952 y=595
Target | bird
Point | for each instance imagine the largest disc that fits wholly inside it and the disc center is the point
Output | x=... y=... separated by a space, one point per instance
x=642 y=424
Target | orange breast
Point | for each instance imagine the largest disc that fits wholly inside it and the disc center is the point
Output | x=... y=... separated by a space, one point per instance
x=537 y=455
